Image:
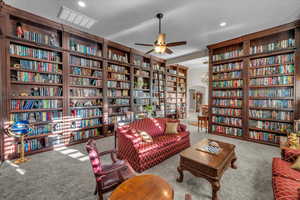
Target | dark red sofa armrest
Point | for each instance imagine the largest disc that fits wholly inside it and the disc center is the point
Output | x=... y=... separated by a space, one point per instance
x=182 y=127
x=290 y=155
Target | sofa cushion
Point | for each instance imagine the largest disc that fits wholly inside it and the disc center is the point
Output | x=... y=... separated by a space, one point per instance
x=171 y=128
x=283 y=168
x=285 y=189
x=152 y=126
x=145 y=136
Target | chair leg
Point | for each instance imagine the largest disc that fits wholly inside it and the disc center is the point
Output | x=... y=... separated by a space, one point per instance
x=96 y=190
x=100 y=196
x=198 y=125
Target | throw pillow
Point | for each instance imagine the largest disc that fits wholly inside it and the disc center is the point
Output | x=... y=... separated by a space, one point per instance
x=296 y=164
x=145 y=136
x=171 y=128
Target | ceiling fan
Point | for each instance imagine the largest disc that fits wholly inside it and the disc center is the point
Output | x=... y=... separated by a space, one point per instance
x=160 y=46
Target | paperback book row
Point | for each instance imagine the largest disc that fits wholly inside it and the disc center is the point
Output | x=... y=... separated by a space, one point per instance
x=227 y=84
x=273 y=60
x=272 y=126
x=80 y=135
x=281 y=69
x=85 y=81
x=34 y=53
x=38 y=66
x=116 y=119
x=142 y=73
x=157 y=67
x=41 y=91
x=279 y=80
x=228 y=55
x=119 y=85
x=74 y=60
x=85 y=123
x=118 y=110
x=227 y=111
x=142 y=101
x=276 y=115
x=117 y=68
x=227 y=93
x=272 y=92
x=75 y=104
x=264 y=136
x=172 y=71
x=171 y=84
x=121 y=77
x=84 y=113
x=117 y=56
x=47 y=39
x=227 y=67
x=227 y=102
x=85 y=92
x=119 y=102
x=171 y=78
x=228 y=75
x=75 y=46
x=227 y=120
x=271 y=103
x=141 y=94
x=274 y=46
x=86 y=72
x=35 y=104
x=159 y=76
x=45 y=129
x=227 y=130
x=36 y=116
x=117 y=93
x=36 y=77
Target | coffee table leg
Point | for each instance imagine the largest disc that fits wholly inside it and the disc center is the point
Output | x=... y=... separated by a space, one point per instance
x=215 y=188
x=233 y=166
x=180 y=171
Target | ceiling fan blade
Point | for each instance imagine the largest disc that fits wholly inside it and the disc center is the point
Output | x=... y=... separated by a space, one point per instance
x=172 y=44
x=169 y=51
x=149 y=51
x=141 y=44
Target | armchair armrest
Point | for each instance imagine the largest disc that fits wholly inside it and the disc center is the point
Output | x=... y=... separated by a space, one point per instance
x=290 y=155
x=112 y=154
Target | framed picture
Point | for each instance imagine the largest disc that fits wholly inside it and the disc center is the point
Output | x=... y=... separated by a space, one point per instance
x=297 y=126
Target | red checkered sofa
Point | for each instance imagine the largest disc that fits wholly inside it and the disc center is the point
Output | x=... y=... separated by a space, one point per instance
x=142 y=156
x=286 y=181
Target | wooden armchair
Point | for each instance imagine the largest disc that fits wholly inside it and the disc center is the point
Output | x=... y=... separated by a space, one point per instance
x=108 y=177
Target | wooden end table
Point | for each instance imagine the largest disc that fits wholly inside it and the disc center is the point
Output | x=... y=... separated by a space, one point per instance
x=207 y=165
x=144 y=187
x=203 y=120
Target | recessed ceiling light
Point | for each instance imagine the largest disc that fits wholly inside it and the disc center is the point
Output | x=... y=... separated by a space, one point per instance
x=222 y=24
x=81 y=4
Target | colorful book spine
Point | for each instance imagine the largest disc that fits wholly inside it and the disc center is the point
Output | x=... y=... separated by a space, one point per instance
x=227 y=120
x=227 y=111
x=228 y=55
x=279 y=80
x=273 y=126
x=80 y=135
x=85 y=123
x=273 y=60
x=37 y=77
x=228 y=84
x=227 y=102
x=228 y=75
x=85 y=81
x=274 y=70
x=273 y=46
x=228 y=67
x=35 y=104
x=38 y=66
x=271 y=103
x=227 y=93
x=74 y=60
x=36 y=116
x=227 y=130
x=275 y=115
x=264 y=136
x=120 y=85
x=75 y=46
x=117 y=56
x=80 y=92
x=86 y=72
x=84 y=113
x=47 y=39
x=117 y=93
x=272 y=92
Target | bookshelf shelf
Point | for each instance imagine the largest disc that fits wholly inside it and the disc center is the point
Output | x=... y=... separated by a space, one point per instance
x=33 y=71
x=274 y=120
x=36 y=83
x=231 y=60
x=273 y=53
x=35 y=110
x=35 y=59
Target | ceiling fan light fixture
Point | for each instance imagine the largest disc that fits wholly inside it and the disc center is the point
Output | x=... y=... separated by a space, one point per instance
x=160 y=49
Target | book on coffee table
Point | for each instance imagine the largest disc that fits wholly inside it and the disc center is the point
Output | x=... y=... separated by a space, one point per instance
x=209 y=149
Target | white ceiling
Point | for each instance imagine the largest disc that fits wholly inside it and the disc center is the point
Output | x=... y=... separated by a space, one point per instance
x=196 y=21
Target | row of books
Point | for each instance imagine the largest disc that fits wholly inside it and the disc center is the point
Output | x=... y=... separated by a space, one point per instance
x=121 y=77
x=85 y=103
x=33 y=52
x=83 y=113
x=271 y=103
x=264 y=136
x=119 y=85
x=117 y=57
x=280 y=59
x=273 y=126
x=272 y=92
x=47 y=39
x=40 y=91
x=141 y=94
x=35 y=104
x=157 y=67
x=117 y=68
x=85 y=123
x=86 y=72
x=157 y=75
x=235 y=74
x=38 y=66
x=45 y=129
x=142 y=73
x=228 y=67
x=276 y=115
x=171 y=78
x=278 y=80
x=227 y=102
x=142 y=101
x=227 y=111
x=31 y=145
x=85 y=81
x=227 y=120
x=227 y=84
x=36 y=116
x=75 y=46
x=273 y=46
x=120 y=102
x=85 y=92
x=78 y=61
x=117 y=110
x=282 y=69
x=114 y=119
x=228 y=55
x=227 y=93
x=227 y=130
x=80 y=135
x=117 y=93
x=36 y=77
x=171 y=84
x=171 y=101
x=172 y=71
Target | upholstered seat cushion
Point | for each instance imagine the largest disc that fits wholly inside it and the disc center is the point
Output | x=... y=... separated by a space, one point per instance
x=283 y=168
x=285 y=188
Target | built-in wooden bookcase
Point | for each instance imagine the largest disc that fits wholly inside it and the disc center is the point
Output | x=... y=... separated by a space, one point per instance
x=159 y=88
x=176 y=86
x=70 y=85
x=254 y=85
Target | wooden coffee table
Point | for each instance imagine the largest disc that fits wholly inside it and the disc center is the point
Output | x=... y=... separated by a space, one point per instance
x=207 y=165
